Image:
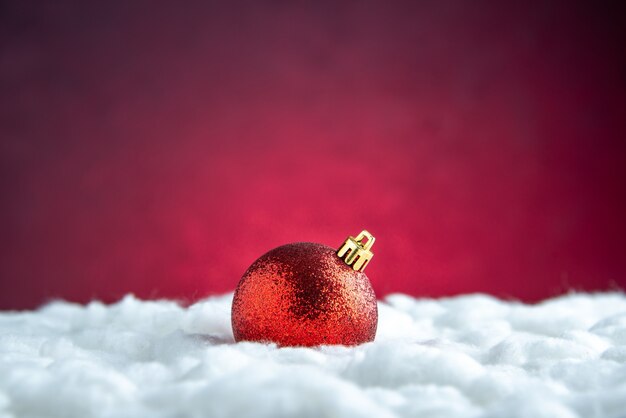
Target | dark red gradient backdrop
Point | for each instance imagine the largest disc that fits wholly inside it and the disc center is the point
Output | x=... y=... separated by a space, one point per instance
x=160 y=150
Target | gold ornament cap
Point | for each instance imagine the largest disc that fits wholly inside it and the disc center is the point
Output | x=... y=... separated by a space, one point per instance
x=356 y=253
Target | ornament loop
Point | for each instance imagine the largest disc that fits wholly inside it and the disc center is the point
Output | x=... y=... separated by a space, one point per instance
x=356 y=253
x=370 y=239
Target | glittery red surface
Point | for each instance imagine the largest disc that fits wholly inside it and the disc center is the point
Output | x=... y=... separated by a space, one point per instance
x=303 y=294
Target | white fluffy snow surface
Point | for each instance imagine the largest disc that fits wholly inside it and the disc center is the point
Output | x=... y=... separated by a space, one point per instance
x=467 y=356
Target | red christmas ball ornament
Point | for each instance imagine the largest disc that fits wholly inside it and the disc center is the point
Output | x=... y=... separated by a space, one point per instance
x=307 y=294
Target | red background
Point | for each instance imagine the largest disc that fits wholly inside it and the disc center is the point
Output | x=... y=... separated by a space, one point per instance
x=160 y=150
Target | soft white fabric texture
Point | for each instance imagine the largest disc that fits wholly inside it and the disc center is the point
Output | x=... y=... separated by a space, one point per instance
x=468 y=356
